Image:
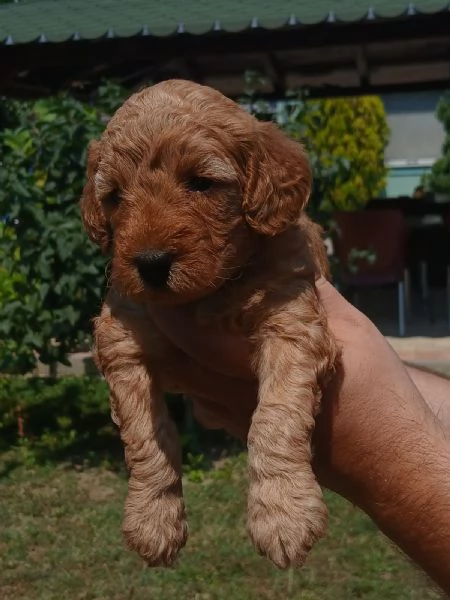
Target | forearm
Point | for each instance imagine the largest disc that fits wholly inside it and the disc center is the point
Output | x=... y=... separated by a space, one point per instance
x=409 y=500
x=399 y=475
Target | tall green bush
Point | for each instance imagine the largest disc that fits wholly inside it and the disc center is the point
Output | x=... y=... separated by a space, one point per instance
x=439 y=178
x=56 y=274
x=345 y=139
x=353 y=133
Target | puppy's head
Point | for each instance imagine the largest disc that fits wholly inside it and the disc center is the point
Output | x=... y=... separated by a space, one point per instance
x=180 y=187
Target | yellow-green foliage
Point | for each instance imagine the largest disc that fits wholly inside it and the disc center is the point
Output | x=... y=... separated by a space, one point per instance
x=352 y=130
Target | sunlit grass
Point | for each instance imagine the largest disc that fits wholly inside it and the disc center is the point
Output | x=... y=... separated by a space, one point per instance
x=60 y=538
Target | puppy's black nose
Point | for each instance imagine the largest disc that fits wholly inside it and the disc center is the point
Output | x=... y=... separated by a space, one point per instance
x=154 y=267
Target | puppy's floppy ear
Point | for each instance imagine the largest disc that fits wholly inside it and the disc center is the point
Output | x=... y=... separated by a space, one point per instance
x=278 y=181
x=92 y=213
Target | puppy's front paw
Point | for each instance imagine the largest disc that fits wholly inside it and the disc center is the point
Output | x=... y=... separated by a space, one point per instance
x=285 y=519
x=158 y=531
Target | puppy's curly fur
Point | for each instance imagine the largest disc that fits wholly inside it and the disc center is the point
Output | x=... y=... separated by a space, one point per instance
x=182 y=170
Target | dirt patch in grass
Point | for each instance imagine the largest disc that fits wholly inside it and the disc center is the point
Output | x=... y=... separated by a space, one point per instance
x=97 y=486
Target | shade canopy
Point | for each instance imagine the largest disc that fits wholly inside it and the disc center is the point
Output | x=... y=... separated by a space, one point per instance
x=329 y=46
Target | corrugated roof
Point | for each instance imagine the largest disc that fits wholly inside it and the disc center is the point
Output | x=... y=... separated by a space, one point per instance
x=62 y=20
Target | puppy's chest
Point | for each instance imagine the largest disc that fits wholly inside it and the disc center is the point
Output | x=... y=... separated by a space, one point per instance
x=239 y=314
x=248 y=310
x=235 y=310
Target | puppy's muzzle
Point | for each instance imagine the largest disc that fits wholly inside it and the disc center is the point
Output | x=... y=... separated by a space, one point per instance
x=154 y=267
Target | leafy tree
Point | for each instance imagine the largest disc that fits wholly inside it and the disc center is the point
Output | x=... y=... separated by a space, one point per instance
x=55 y=273
x=439 y=178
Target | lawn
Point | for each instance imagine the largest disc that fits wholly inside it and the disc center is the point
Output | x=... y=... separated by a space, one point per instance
x=60 y=538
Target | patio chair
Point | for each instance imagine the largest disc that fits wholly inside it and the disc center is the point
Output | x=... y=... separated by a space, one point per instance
x=382 y=233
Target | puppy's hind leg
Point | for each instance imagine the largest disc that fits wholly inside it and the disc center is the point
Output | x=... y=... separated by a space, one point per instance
x=286 y=511
x=154 y=520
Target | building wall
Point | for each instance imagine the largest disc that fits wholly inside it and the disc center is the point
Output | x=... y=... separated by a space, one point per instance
x=402 y=181
x=416 y=139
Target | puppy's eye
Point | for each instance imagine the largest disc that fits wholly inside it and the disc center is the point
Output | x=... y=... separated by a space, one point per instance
x=199 y=184
x=112 y=200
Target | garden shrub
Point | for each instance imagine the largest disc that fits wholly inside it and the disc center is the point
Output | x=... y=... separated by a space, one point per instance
x=438 y=180
x=345 y=139
x=68 y=419
x=55 y=273
x=55 y=415
x=352 y=132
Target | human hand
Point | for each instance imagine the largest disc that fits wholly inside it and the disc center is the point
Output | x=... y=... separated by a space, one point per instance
x=374 y=434
x=226 y=396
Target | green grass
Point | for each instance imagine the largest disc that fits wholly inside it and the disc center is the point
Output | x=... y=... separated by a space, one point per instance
x=60 y=539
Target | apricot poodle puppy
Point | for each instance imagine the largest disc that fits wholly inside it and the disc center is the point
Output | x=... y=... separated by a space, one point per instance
x=197 y=202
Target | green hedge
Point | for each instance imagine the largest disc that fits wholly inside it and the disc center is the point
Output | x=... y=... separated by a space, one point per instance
x=69 y=419
x=56 y=418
